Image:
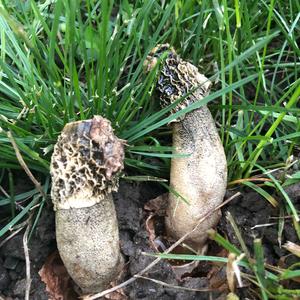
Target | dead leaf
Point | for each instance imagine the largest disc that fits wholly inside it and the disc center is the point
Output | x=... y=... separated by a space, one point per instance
x=150 y=227
x=156 y=208
x=119 y=293
x=217 y=278
x=116 y=295
x=157 y=205
x=181 y=271
x=58 y=281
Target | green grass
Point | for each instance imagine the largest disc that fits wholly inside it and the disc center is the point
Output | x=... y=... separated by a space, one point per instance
x=62 y=61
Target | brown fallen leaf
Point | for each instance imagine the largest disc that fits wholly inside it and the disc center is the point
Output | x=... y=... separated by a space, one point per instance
x=217 y=279
x=184 y=270
x=217 y=275
x=157 y=205
x=116 y=295
x=58 y=281
x=150 y=227
x=119 y=294
x=156 y=208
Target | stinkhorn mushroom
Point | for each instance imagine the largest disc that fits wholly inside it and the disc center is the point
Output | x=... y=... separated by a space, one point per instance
x=85 y=165
x=201 y=177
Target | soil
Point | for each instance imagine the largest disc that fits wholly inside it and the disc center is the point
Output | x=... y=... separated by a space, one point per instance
x=248 y=210
x=257 y=218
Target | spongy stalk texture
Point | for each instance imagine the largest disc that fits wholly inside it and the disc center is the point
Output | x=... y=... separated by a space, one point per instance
x=200 y=178
x=88 y=243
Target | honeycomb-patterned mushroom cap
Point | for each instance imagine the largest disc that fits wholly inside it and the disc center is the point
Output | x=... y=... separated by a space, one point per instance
x=85 y=164
x=177 y=79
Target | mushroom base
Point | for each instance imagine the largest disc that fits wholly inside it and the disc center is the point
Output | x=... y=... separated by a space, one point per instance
x=88 y=243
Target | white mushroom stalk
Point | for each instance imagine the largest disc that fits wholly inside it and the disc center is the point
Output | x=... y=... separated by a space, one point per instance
x=85 y=165
x=201 y=177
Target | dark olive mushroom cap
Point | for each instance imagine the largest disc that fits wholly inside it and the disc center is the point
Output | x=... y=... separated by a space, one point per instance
x=177 y=78
x=85 y=163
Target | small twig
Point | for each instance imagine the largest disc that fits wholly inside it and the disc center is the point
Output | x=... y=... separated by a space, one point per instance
x=27 y=258
x=23 y=164
x=283 y=217
x=25 y=237
x=248 y=179
x=20 y=225
x=4 y=192
x=10 y=236
x=172 y=285
x=8 y=196
x=151 y=265
x=263 y=225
